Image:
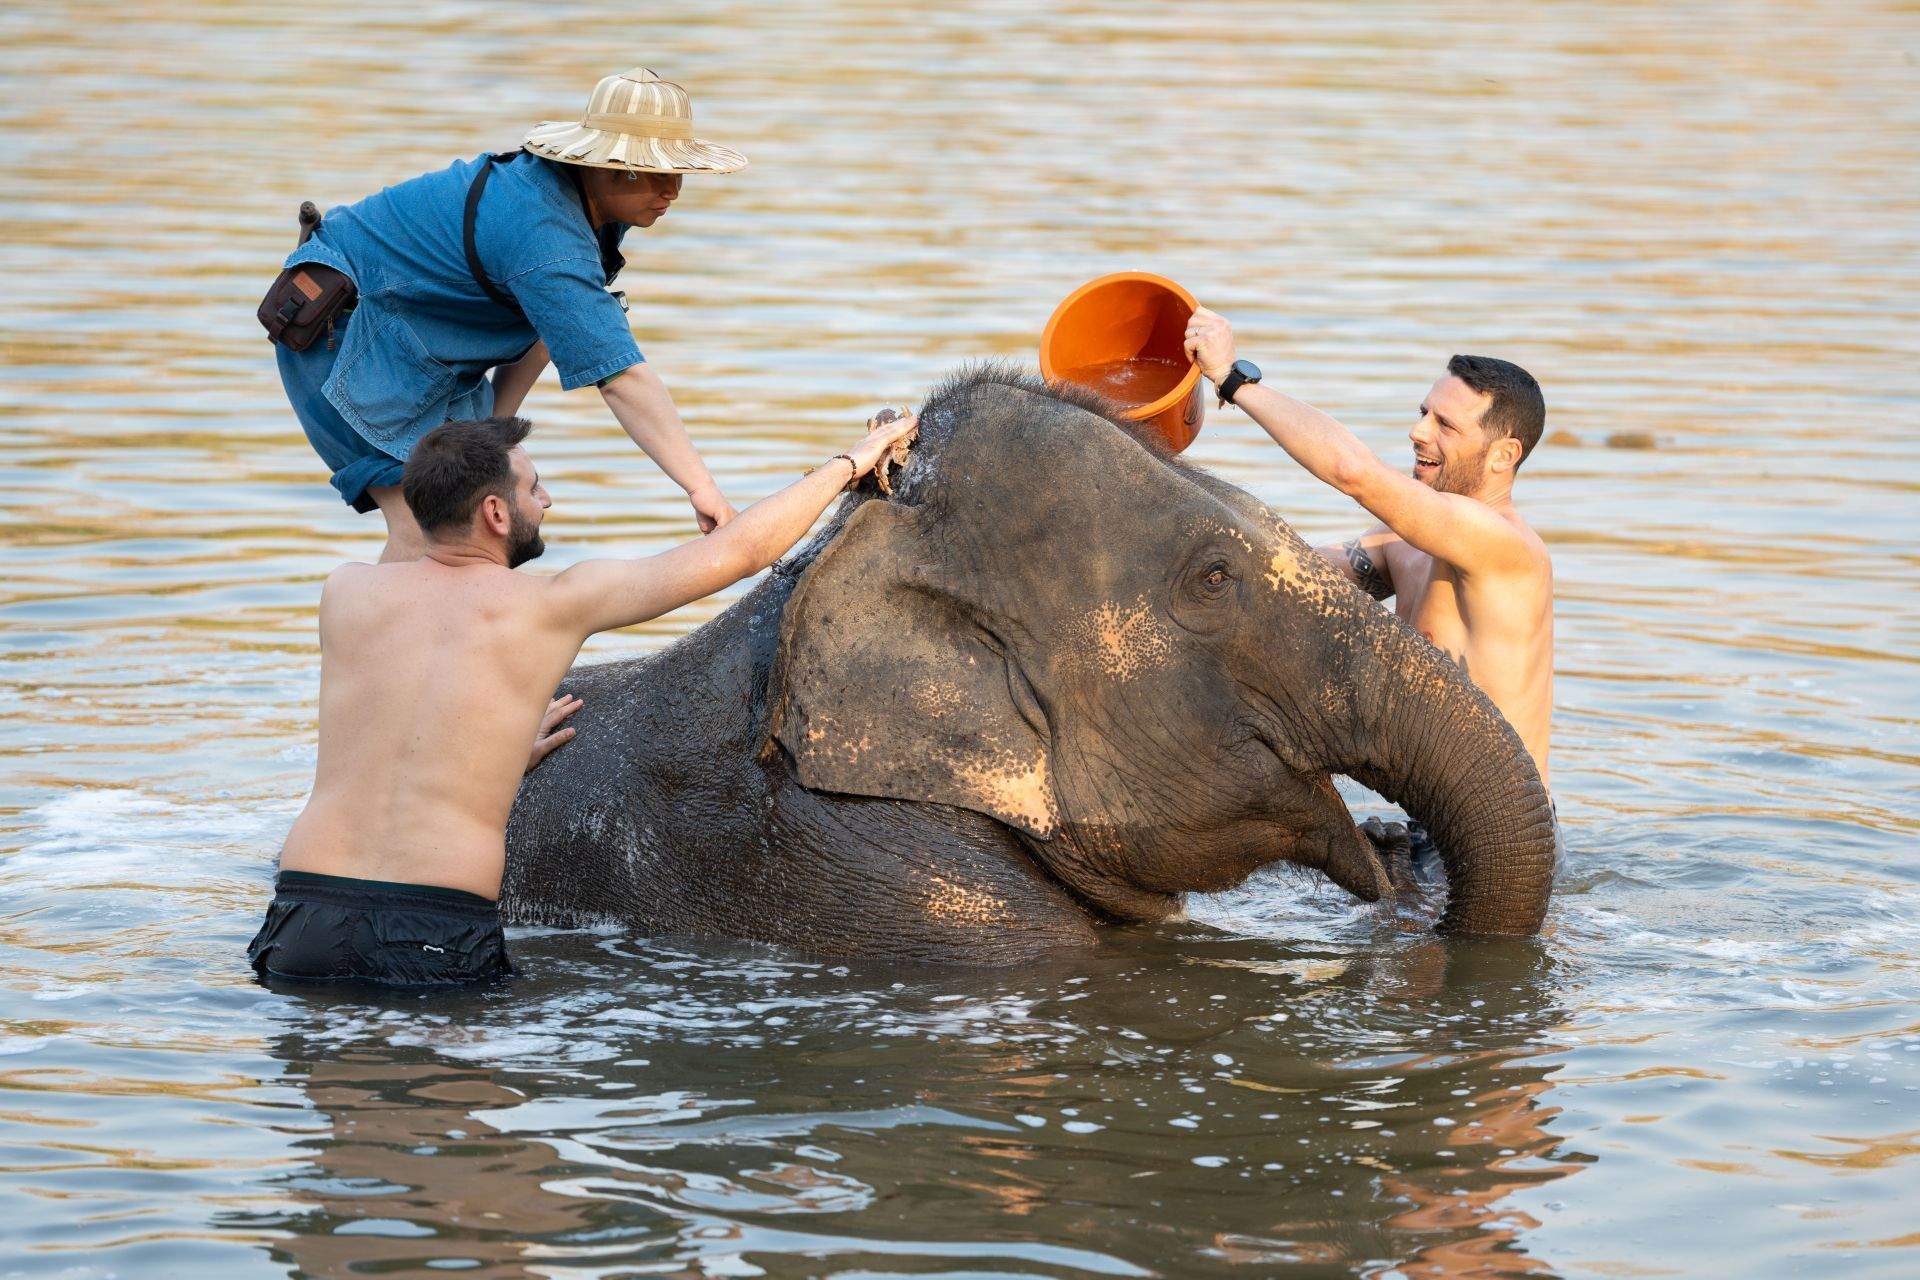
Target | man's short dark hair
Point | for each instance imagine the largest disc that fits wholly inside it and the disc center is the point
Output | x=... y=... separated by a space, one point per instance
x=1518 y=408
x=455 y=466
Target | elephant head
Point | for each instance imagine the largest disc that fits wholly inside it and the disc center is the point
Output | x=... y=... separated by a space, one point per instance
x=1139 y=667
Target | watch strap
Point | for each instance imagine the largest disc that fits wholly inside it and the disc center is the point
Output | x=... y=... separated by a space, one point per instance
x=1242 y=372
x=1230 y=385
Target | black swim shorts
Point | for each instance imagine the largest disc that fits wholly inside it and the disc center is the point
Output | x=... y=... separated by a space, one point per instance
x=338 y=929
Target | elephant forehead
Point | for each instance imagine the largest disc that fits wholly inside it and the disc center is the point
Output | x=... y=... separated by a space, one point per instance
x=1118 y=640
x=1028 y=445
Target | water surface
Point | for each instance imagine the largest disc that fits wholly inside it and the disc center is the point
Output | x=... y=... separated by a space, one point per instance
x=1136 y=380
x=1698 y=225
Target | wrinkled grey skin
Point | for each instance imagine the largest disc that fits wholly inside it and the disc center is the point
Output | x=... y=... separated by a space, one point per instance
x=1054 y=681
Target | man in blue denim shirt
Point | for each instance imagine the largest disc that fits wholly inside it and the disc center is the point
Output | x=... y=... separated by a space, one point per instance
x=438 y=311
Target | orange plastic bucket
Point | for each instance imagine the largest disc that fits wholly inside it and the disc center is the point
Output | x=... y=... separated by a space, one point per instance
x=1122 y=335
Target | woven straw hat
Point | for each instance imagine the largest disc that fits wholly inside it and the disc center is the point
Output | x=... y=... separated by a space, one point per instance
x=637 y=121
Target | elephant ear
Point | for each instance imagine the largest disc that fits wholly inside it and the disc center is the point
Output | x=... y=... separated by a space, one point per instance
x=887 y=684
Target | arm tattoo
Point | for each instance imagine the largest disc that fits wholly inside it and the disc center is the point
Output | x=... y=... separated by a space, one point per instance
x=1371 y=580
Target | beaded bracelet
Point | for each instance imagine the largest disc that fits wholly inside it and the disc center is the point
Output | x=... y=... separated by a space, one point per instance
x=852 y=478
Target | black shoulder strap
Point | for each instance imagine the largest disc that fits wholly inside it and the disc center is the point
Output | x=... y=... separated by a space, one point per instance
x=478 y=272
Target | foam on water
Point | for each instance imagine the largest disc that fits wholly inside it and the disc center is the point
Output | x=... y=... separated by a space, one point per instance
x=90 y=837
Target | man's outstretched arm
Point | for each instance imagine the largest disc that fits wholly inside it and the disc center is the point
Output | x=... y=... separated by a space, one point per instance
x=1448 y=526
x=601 y=595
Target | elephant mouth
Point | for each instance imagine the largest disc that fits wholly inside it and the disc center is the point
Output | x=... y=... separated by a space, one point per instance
x=1354 y=865
x=1343 y=853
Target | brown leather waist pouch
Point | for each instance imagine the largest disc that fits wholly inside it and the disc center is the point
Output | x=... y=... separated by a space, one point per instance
x=303 y=304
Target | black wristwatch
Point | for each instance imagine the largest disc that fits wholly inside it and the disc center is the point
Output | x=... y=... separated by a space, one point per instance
x=1243 y=372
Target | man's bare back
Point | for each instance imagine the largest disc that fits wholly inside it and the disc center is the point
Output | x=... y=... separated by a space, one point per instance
x=434 y=674
x=435 y=680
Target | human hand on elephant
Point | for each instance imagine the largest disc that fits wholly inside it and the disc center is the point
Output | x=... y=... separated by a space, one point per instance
x=550 y=737
x=888 y=432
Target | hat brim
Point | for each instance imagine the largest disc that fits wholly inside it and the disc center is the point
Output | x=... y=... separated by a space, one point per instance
x=570 y=142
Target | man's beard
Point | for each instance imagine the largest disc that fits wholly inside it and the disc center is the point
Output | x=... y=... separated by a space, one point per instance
x=1461 y=475
x=523 y=540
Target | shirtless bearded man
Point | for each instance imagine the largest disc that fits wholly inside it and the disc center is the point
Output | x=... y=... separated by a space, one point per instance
x=435 y=675
x=1452 y=550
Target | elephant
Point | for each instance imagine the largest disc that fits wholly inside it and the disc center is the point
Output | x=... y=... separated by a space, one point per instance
x=1050 y=681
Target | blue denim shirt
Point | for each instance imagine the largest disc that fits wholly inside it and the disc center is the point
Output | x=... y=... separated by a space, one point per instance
x=418 y=347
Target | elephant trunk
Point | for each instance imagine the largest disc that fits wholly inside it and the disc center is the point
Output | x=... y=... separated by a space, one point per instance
x=1425 y=737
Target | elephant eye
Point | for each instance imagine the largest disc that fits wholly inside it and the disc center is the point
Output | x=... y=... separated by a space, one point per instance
x=1217 y=578
x=1204 y=594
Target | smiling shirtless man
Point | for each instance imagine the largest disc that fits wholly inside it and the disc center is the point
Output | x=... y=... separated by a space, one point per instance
x=1464 y=569
x=434 y=677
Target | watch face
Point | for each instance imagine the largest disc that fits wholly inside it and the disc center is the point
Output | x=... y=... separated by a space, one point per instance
x=1247 y=369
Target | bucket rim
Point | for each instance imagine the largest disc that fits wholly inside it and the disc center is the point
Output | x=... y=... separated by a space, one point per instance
x=1137 y=413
